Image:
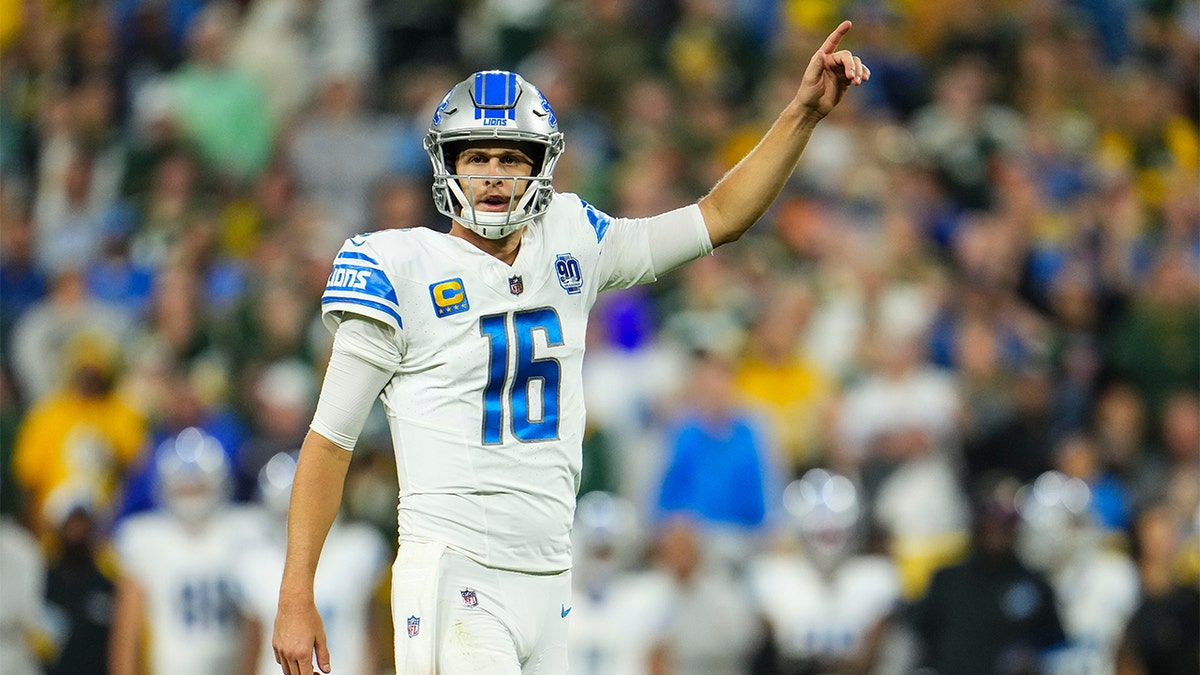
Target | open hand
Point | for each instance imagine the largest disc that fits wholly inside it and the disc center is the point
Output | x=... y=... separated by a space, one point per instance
x=830 y=72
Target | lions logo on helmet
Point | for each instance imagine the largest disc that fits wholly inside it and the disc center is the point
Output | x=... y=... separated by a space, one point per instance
x=493 y=105
x=192 y=475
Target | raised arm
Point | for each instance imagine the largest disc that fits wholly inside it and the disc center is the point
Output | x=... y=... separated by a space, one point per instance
x=316 y=497
x=742 y=196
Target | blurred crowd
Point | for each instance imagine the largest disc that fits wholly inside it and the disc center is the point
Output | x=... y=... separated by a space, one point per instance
x=983 y=277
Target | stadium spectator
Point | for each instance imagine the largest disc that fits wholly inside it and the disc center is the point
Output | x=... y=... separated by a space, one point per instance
x=776 y=377
x=178 y=400
x=338 y=153
x=1111 y=503
x=722 y=463
x=281 y=405
x=989 y=614
x=79 y=597
x=169 y=202
x=22 y=281
x=216 y=105
x=902 y=407
x=706 y=621
x=1156 y=342
x=1123 y=434
x=42 y=336
x=1180 y=431
x=1162 y=636
x=77 y=443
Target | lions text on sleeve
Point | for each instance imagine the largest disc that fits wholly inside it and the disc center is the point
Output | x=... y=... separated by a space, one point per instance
x=486 y=409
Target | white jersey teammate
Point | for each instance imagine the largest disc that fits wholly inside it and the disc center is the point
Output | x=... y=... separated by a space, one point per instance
x=176 y=611
x=825 y=607
x=476 y=342
x=347 y=578
x=1097 y=590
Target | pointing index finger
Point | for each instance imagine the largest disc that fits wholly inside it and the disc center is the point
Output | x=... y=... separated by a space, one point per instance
x=831 y=43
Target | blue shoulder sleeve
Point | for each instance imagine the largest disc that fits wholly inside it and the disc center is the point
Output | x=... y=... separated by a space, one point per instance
x=358 y=284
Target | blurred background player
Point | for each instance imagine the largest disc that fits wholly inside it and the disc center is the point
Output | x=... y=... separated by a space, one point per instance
x=22 y=607
x=175 y=608
x=826 y=606
x=1096 y=588
x=346 y=583
x=614 y=622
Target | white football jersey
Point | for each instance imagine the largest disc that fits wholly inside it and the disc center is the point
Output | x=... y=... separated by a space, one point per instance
x=22 y=607
x=351 y=563
x=614 y=628
x=187 y=576
x=818 y=618
x=707 y=625
x=1097 y=593
x=486 y=408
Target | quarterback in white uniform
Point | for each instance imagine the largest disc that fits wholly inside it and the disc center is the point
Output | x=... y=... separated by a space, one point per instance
x=476 y=342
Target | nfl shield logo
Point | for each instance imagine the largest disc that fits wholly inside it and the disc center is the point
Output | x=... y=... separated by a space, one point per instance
x=516 y=285
x=414 y=626
x=468 y=597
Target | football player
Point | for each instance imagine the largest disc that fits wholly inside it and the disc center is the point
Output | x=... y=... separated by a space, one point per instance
x=1096 y=589
x=476 y=342
x=177 y=588
x=826 y=606
x=613 y=623
x=347 y=578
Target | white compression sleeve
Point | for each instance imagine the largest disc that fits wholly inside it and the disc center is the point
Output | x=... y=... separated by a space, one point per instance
x=365 y=356
x=677 y=237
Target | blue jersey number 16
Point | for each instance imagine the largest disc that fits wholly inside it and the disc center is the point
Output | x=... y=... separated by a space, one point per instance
x=526 y=427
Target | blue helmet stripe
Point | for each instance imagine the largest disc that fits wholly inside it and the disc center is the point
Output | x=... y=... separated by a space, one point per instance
x=495 y=95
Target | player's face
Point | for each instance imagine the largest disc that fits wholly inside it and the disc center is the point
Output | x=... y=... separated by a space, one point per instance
x=500 y=162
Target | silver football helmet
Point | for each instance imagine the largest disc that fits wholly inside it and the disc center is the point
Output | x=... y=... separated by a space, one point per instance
x=606 y=537
x=193 y=475
x=826 y=510
x=275 y=483
x=493 y=105
x=1056 y=520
